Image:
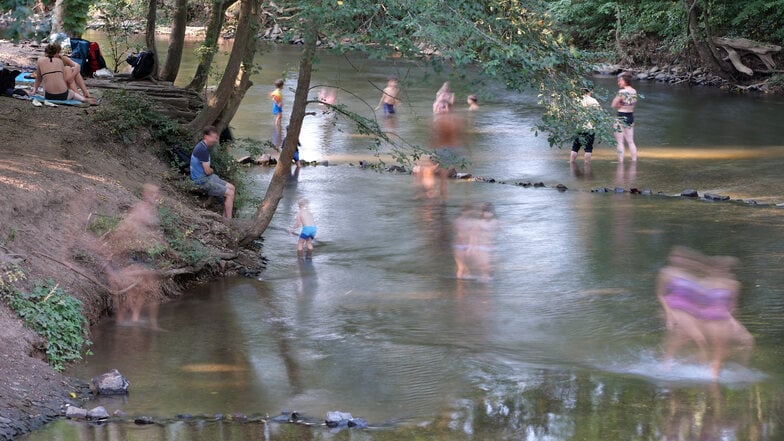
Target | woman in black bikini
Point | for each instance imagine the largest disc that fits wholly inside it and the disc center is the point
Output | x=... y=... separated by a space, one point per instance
x=60 y=76
x=624 y=103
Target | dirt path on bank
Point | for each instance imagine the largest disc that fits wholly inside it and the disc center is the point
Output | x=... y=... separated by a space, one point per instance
x=56 y=172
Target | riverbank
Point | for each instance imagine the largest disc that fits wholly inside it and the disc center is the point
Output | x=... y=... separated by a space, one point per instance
x=58 y=174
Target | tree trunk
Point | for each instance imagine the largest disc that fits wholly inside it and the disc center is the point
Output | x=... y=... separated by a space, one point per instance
x=58 y=12
x=274 y=193
x=243 y=82
x=210 y=45
x=618 y=47
x=149 y=36
x=176 y=42
x=218 y=101
x=702 y=43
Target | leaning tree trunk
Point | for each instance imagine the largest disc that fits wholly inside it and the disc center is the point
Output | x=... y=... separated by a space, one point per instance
x=218 y=101
x=149 y=36
x=274 y=193
x=176 y=42
x=210 y=45
x=243 y=82
x=702 y=42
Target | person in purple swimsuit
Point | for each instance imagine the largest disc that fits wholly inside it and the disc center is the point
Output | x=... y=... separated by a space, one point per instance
x=699 y=294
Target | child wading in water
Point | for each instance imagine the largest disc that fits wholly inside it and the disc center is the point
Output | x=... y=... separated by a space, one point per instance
x=304 y=219
x=277 y=111
x=389 y=97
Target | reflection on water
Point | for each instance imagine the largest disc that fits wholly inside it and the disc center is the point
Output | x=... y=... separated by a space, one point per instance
x=563 y=342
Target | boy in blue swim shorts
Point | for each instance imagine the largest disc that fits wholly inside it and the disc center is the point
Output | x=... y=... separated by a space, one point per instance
x=304 y=219
x=277 y=111
x=389 y=97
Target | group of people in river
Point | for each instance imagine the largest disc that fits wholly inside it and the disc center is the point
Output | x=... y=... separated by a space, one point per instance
x=698 y=293
x=624 y=102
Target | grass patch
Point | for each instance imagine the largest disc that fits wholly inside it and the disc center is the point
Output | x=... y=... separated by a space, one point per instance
x=101 y=224
x=190 y=250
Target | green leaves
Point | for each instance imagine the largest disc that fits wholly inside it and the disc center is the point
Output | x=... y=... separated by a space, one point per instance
x=55 y=316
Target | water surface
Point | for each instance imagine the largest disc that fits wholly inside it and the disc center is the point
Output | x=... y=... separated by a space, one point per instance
x=562 y=343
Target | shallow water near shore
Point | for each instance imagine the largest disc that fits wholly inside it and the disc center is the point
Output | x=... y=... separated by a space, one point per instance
x=562 y=343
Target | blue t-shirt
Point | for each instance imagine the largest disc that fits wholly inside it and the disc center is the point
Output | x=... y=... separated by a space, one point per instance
x=200 y=154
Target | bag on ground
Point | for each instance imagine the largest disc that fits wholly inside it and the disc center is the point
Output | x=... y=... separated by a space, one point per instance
x=143 y=63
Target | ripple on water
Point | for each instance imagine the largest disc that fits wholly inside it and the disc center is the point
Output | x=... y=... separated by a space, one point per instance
x=650 y=367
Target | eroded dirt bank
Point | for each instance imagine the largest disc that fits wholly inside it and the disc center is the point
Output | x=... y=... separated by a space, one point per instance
x=57 y=174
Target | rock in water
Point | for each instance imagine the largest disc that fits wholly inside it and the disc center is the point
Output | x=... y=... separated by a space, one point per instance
x=111 y=383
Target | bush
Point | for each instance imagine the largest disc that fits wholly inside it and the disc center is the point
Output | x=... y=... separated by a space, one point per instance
x=130 y=115
x=55 y=316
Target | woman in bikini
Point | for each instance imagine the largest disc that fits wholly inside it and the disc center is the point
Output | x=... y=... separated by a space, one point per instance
x=624 y=103
x=698 y=294
x=60 y=76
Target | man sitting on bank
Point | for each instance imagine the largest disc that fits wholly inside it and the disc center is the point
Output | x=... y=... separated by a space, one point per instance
x=204 y=176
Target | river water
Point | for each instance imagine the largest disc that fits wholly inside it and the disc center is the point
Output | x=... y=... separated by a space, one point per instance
x=564 y=341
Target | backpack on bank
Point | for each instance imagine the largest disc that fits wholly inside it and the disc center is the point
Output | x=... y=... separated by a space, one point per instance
x=80 y=53
x=95 y=60
x=143 y=63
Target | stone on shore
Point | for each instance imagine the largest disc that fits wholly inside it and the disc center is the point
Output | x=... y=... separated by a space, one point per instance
x=75 y=413
x=98 y=413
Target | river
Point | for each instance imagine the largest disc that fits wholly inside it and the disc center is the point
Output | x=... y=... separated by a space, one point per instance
x=563 y=342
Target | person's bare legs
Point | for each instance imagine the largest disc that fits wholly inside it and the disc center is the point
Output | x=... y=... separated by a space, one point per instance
x=300 y=245
x=587 y=157
x=309 y=251
x=74 y=80
x=462 y=268
x=628 y=135
x=228 y=201
x=572 y=157
x=279 y=131
x=76 y=96
x=619 y=144
x=443 y=174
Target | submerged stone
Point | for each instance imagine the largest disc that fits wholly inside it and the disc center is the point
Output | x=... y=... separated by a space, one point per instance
x=715 y=197
x=337 y=419
x=689 y=193
x=358 y=423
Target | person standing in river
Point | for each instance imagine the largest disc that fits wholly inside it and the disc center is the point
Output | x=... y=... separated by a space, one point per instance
x=624 y=103
x=277 y=111
x=586 y=136
x=389 y=96
x=304 y=219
